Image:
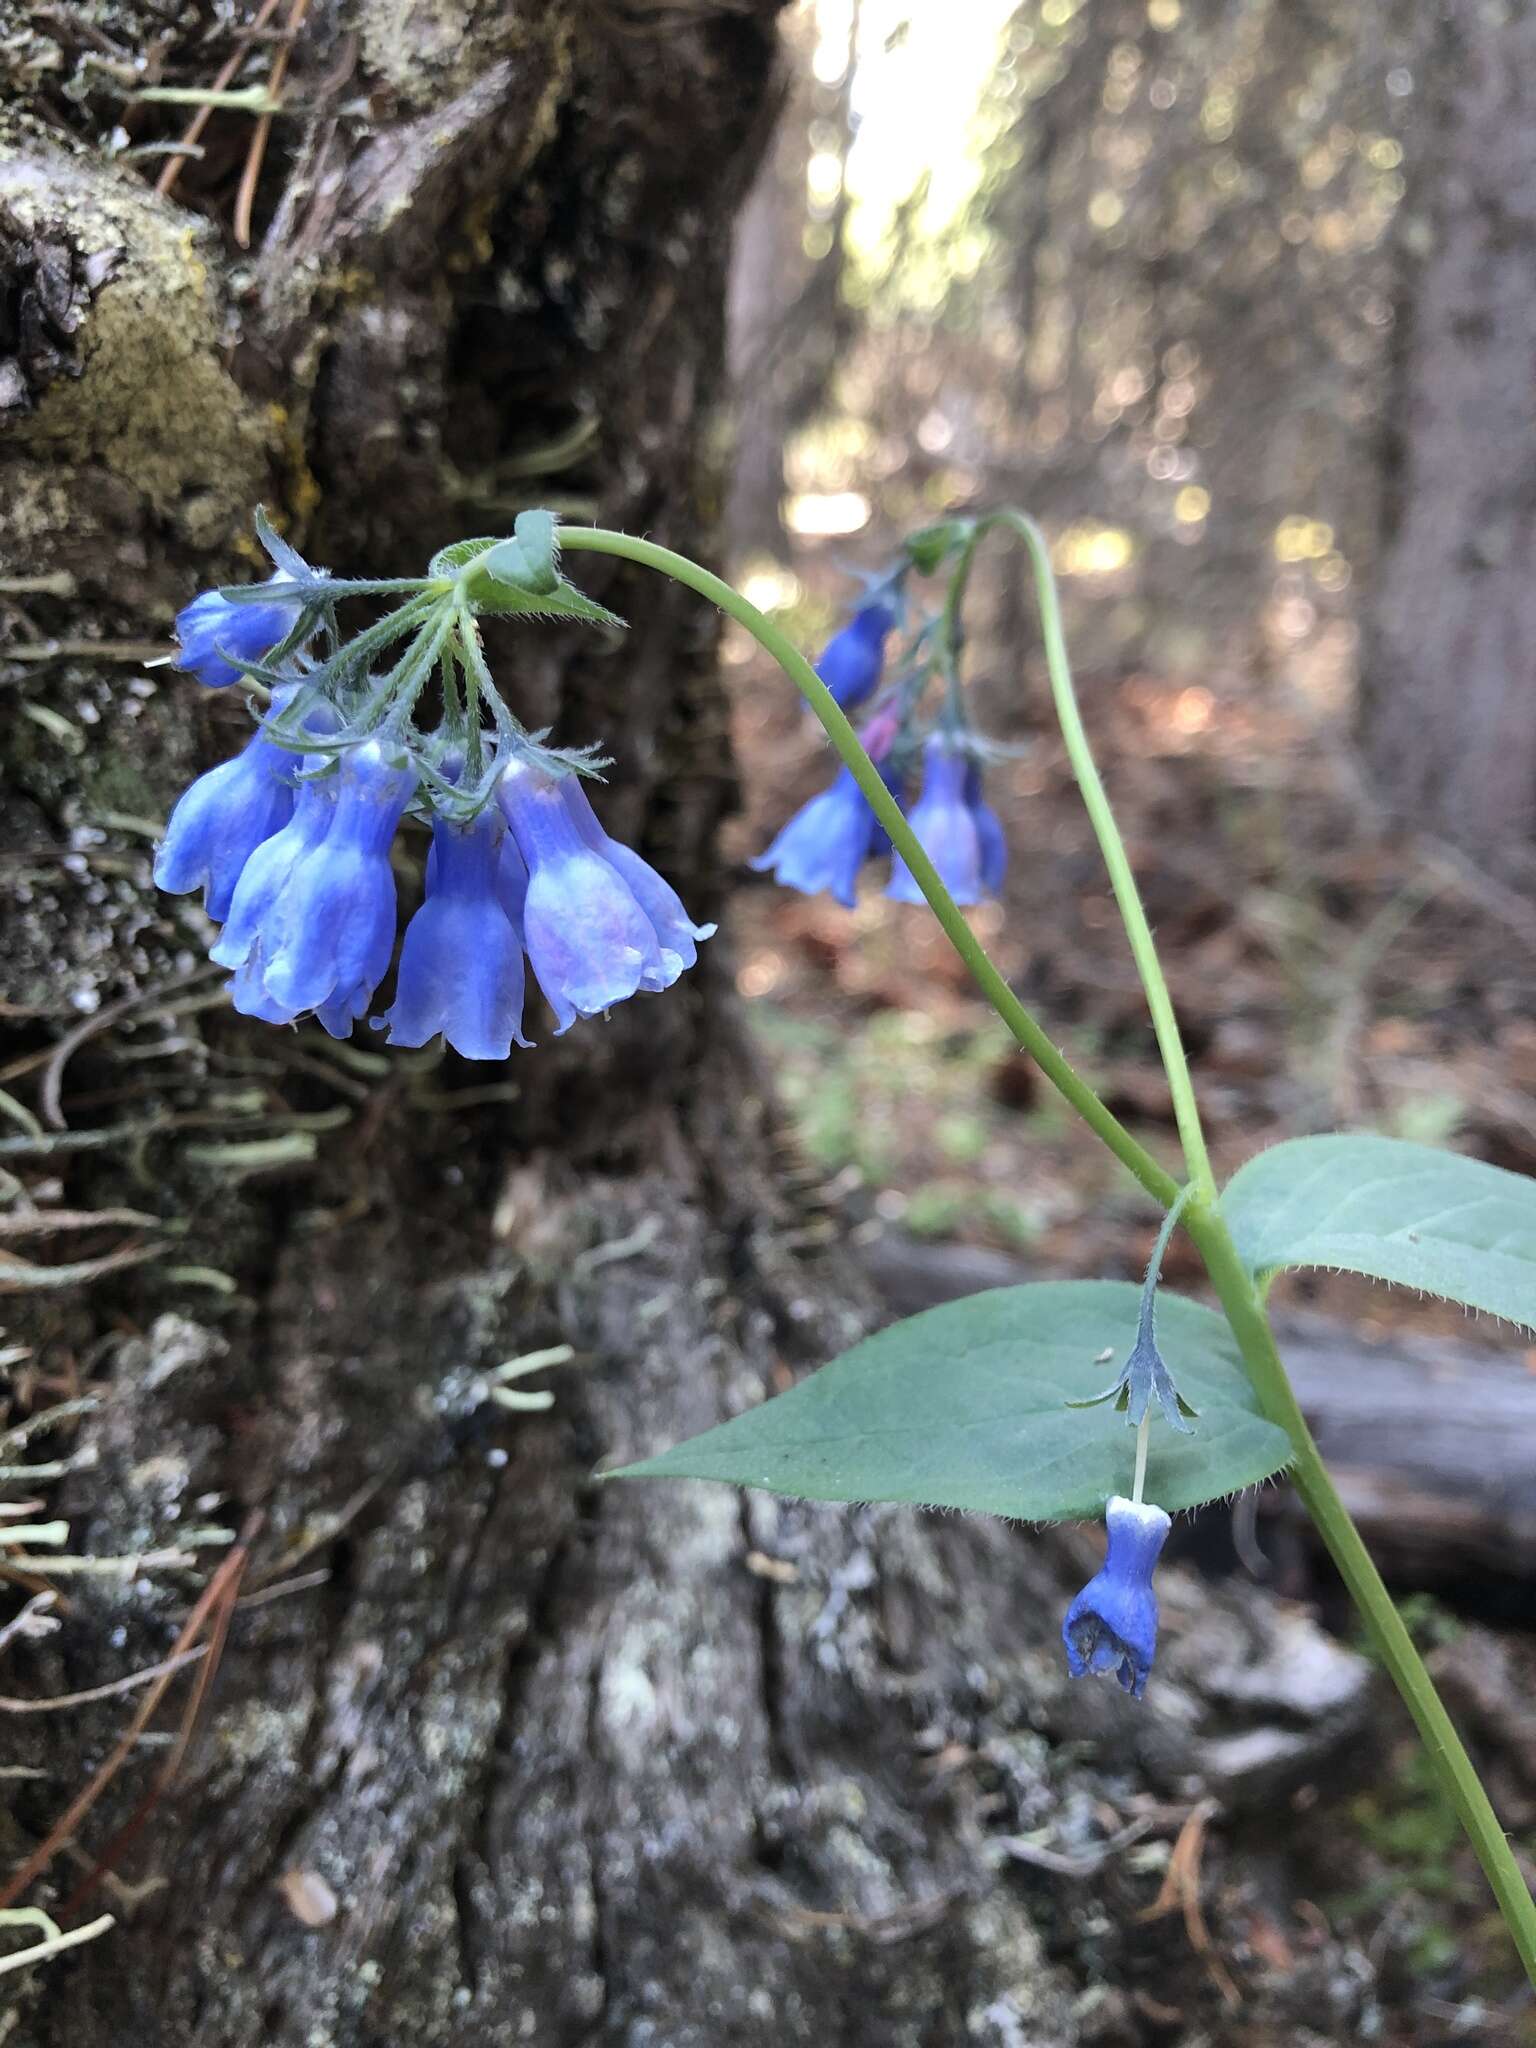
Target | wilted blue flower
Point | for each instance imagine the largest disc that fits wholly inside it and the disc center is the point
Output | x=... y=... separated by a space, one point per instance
x=852 y=660
x=946 y=827
x=828 y=840
x=461 y=966
x=329 y=932
x=589 y=941
x=221 y=820
x=674 y=929
x=218 y=637
x=1112 y=1624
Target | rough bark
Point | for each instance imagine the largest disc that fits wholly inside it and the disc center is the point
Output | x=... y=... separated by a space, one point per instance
x=1448 y=724
x=579 y=1763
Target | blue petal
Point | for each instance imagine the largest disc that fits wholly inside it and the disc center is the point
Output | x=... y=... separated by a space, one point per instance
x=825 y=843
x=852 y=660
x=1112 y=1624
x=264 y=874
x=216 y=636
x=461 y=967
x=673 y=927
x=989 y=830
x=332 y=927
x=945 y=828
x=589 y=942
x=221 y=820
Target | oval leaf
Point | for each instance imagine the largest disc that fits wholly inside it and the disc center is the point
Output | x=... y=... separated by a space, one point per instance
x=1433 y=1220
x=964 y=1407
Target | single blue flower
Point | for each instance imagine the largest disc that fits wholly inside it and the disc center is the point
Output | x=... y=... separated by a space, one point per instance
x=330 y=931
x=989 y=830
x=217 y=637
x=461 y=966
x=945 y=826
x=675 y=930
x=219 y=822
x=1112 y=1624
x=852 y=660
x=589 y=942
x=825 y=843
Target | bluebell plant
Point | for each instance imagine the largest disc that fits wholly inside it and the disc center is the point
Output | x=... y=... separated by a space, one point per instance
x=291 y=840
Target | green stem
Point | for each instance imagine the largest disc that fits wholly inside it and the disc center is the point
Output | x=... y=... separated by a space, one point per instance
x=1031 y=1035
x=1245 y=1312
x=1121 y=879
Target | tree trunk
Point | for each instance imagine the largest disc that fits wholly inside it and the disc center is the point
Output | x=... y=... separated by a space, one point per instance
x=540 y=1760
x=1450 y=703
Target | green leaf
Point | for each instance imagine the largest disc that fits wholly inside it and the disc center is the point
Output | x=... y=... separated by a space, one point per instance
x=1433 y=1220
x=964 y=1407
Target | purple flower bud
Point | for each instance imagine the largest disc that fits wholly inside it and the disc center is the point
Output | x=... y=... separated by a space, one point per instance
x=674 y=929
x=589 y=942
x=221 y=820
x=217 y=637
x=945 y=826
x=1112 y=1624
x=331 y=929
x=852 y=661
x=461 y=966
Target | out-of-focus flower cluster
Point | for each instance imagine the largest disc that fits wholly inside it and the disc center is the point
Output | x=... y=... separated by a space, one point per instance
x=290 y=840
x=826 y=844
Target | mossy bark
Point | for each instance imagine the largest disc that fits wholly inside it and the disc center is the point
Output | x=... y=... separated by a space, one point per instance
x=571 y=1762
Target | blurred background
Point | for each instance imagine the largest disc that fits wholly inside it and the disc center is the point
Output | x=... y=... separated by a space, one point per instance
x=1232 y=298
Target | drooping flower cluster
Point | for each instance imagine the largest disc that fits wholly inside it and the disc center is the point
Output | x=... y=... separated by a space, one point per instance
x=291 y=840
x=827 y=842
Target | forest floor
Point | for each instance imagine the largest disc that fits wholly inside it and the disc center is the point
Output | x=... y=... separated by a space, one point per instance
x=1327 y=973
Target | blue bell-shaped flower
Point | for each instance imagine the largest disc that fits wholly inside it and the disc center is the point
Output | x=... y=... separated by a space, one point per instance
x=853 y=659
x=675 y=930
x=219 y=822
x=945 y=826
x=1112 y=1624
x=589 y=942
x=826 y=842
x=331 y=930
x=216 y=637
x=461 y=966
